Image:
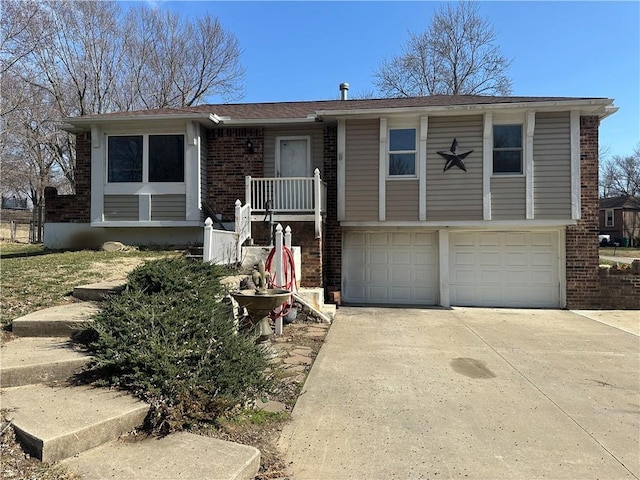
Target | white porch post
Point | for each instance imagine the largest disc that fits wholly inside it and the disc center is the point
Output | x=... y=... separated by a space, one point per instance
x=443 y=253
x=208 y=241
x=287 y=237
x=238 y=229
x=279 y=268
x=317 y=202
x=247 y=189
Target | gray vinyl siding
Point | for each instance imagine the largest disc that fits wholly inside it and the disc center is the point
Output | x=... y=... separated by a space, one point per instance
x=121 y=208
x=454 y=194
x=361 y=170
x=508 y=198
x=168 y=207
x=402 y=200
x=316 y=133
x=552 y=166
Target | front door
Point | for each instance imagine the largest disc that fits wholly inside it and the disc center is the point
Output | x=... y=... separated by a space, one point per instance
x=293 y=157
x=293 y=164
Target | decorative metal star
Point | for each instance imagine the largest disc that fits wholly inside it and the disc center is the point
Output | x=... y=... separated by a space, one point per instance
x=453 y=157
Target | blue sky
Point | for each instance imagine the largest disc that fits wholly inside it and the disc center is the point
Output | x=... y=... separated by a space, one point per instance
x=304 y=50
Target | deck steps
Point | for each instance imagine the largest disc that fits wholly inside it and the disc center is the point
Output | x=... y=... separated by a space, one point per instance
x=182 y=456
x=81 y=426
x=99 y=291
x=60 y=321
x=58 y=422
x=30 y=360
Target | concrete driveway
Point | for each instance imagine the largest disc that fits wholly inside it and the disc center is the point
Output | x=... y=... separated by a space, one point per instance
x=469 y=393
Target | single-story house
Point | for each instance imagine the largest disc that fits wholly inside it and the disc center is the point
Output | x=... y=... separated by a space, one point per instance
x=440 y=200
x=619 y=217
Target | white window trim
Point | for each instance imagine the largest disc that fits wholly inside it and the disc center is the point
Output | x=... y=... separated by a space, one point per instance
x=342 y=144
x=416 y=152
x=307 y=138
x=606 y=218
x=99 y=174
x=522 y=126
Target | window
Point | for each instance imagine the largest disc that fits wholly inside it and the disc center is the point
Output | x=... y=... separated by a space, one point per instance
x=166 y=158
x=608 y=218
x=125 y=158
x=402 y=152
x=507 y=149
x=145 y=158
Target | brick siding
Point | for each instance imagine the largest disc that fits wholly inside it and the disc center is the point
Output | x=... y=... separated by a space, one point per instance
x=73 y=208
x=619 y=288
x=228 y=162
x=303 y=235
x=332 y=254
x=582 y=239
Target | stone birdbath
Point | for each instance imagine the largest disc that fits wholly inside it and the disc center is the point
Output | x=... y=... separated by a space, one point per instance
x=260 y=302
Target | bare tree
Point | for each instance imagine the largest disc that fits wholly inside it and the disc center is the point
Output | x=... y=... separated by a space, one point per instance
x=184 y=62
x=61 y=59
x=620 y=175
x=456 y=55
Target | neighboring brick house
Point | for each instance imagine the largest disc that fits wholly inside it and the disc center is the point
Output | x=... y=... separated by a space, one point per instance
x=441 y=200
x=619 y=217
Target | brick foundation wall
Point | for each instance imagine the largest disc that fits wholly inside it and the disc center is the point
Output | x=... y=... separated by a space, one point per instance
x=332 y=254
x=73 y=208
x=228 y=162
x=619 y=288
x=303 y=235
x=582 y=239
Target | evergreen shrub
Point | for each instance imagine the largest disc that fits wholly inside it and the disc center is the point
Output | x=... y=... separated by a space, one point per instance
x=170 y=339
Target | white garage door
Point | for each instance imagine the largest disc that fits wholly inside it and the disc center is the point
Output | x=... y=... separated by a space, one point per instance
x=398 y=267
x=504 y=269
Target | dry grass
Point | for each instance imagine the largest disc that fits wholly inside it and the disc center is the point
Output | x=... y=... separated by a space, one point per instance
x=620 y=252
x=34 y=278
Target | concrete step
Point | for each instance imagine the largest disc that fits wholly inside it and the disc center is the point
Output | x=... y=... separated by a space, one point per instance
x=99 y=291
x=30 y=360
x=54 y=423
x=182 y=456
x=59 y=321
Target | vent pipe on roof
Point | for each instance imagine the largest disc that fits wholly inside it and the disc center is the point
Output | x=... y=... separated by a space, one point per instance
x=344 y=88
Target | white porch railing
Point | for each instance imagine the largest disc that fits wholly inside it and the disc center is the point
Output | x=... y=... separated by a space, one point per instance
x=225 y=248
x=288 y=195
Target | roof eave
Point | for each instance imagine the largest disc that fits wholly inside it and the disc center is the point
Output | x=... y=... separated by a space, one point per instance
x=598 y=106
x=84 y=124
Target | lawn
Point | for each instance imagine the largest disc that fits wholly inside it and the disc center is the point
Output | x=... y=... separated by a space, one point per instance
x=33 y=278
x=620 y=252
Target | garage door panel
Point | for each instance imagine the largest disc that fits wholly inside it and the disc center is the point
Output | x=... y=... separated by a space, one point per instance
x=356 y=239
x=489 y=240
x=487 y=258
x=423 y=239
x=494 y=277
x=541 y=277
x=380 y=239
x=504 y=269
x=542 y=259
x=399 y=268
x=515 y=239
x=513 y=259
x=401 y=258
x=401 y=239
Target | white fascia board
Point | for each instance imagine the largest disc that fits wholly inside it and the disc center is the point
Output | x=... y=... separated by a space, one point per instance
x=600 y=106
x=227 y=121
x=139 y=224
x=512 y=225
x=82 y=124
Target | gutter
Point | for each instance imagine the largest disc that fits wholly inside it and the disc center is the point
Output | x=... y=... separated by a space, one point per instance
x=83 y=124
x=602 y=107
